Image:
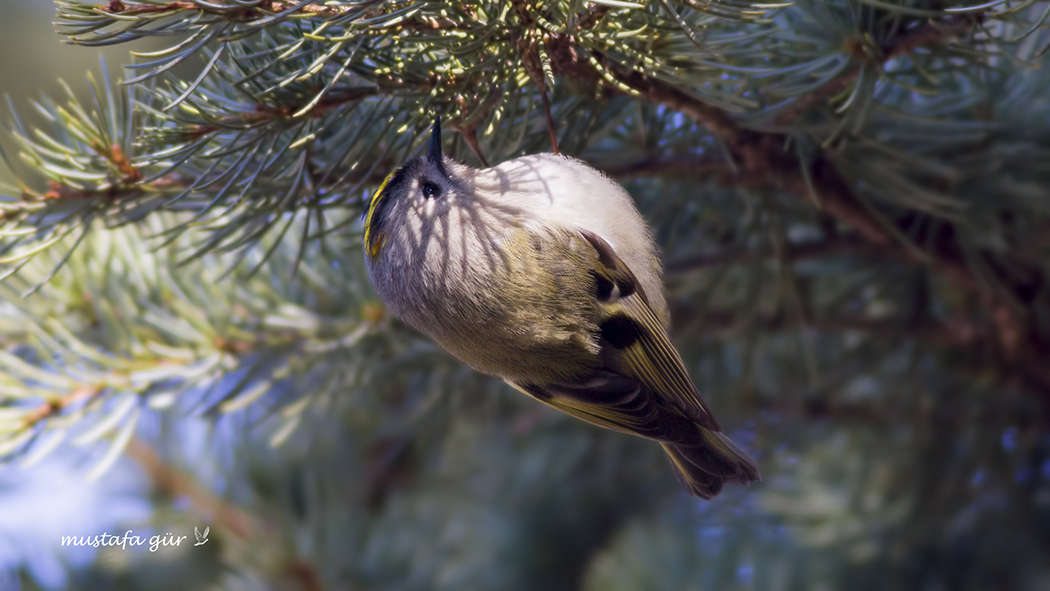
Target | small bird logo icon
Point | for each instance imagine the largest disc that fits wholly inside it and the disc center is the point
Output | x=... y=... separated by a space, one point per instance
x=202 y=539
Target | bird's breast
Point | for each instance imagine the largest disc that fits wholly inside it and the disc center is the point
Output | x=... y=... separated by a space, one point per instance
x=509 y=304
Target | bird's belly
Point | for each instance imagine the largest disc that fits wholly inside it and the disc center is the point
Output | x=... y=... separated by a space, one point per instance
x=533 y=343
x=516 y=307
x=495 y=327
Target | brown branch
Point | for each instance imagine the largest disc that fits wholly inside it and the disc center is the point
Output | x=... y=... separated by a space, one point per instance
x=115 y=191
x=228 y=517
x=658 y=166
x=177 y=484
x=129 y=185
x=391 y=464
x=529 y=46
x=717 y=121
x=552 y=132
x=54 y=407
x=305 y=574
x=470 y=136
x=468 y=125
x=270 y=6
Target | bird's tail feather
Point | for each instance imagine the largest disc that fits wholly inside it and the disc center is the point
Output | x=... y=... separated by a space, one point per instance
x=702 y=469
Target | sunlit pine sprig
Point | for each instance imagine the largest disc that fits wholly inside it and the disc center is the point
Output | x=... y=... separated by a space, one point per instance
x=268 y=103
x=87 y=160
x=134 y=330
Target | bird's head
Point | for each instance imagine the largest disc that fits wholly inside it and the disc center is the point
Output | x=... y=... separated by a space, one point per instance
x=417 y=194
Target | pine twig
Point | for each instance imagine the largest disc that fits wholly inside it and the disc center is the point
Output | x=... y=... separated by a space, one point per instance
x=922 y=36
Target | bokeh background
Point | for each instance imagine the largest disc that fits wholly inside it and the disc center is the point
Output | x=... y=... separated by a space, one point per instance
x=885 y=465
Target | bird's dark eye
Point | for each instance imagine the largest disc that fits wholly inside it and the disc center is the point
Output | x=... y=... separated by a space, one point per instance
x=430 y=190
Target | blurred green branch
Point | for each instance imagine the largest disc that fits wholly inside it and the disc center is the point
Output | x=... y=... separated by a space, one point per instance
x=136 y=329
x=242 y=536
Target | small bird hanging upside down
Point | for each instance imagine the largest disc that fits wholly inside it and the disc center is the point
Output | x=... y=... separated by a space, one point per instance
x=541 y=271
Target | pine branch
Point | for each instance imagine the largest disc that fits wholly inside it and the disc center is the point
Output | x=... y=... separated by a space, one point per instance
x=922 y=36
x=87 y=23
x=139 y=329
x=242 y=9
x=280 y=108
x=761 y=159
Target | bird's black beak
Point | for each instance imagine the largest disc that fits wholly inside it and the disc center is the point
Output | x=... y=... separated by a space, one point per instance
x=434 y=150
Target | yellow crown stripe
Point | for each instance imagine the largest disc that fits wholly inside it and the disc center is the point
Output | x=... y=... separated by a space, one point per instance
x=372 y=240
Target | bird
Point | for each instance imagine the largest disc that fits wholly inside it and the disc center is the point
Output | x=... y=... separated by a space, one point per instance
x=540 y=271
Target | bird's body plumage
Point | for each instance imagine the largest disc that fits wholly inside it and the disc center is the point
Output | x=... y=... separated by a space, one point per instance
x=479 y=280
x=541 y=271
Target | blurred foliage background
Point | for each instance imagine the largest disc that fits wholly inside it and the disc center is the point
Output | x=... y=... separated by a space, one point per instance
x=851 y=196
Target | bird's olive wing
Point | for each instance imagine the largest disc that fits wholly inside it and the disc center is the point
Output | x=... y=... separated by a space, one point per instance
x=616 y=402
x=634 y=341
